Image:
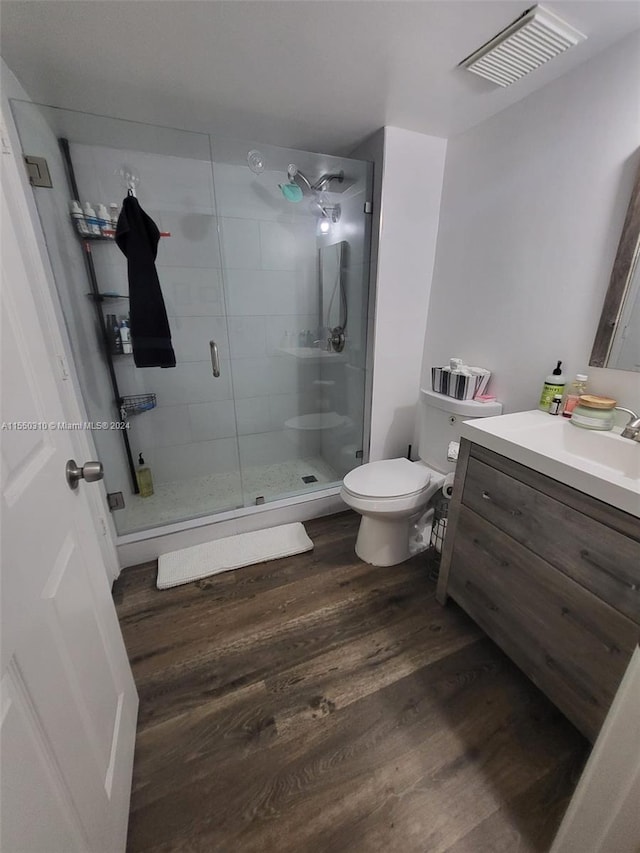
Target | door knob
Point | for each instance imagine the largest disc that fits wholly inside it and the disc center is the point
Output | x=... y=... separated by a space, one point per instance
x=91 y=472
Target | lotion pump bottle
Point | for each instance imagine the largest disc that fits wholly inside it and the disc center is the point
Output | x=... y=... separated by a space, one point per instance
x=553 y=384
x=143 y=476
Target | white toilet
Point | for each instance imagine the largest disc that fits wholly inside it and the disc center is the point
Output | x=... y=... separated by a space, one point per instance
x=391 y=493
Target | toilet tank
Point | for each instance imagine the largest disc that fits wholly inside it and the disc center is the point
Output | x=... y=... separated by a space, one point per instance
x=440 y=419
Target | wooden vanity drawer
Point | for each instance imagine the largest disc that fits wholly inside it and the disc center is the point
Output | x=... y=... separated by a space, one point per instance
x=599 y=557
x=572 y=645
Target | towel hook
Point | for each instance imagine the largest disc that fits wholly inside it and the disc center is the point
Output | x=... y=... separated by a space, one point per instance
x=128 y=179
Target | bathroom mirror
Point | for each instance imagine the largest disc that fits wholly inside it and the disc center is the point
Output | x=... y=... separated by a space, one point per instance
x=332 y=262
x=617 y=343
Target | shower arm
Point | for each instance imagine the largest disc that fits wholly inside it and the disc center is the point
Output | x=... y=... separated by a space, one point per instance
x=321 y=183
x=298 y=174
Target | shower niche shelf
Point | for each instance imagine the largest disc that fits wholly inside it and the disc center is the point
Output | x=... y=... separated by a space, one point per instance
x=135 y=404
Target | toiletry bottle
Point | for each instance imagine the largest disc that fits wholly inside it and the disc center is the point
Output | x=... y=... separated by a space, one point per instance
x=104 y=220
x=143 y=476
x=553 y=384
x=556 y=404
x=110 y=322
x=90 y=219
x=76 y=214
x=125 y=336
x=573 y=393
x=116 y=338
x=113 y=214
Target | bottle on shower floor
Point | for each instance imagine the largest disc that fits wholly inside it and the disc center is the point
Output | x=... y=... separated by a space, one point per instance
x=144 y=478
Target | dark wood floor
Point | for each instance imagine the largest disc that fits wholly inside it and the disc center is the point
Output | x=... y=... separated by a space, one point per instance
x=316 y=703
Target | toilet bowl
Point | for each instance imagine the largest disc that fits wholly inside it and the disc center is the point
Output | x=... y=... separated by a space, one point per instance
x=389 y=495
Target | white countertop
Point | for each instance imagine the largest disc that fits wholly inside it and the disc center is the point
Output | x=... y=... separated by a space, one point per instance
x=601 y=464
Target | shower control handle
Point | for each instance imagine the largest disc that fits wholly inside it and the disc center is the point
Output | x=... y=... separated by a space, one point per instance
x=215 y=358
x=337 y=338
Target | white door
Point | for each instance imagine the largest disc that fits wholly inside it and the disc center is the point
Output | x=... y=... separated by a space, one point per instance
x=68 y=701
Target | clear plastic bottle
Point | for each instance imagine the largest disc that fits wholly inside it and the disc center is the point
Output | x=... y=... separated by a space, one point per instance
x=573 y=393
x=114 y=213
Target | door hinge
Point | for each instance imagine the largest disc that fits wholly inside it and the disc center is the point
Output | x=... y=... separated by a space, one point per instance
x=115 y=500
x=368 y=207
x=359 y=454
x=37 y=171
x=6 y=145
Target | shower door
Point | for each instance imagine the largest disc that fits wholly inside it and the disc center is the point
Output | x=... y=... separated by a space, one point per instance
x=189 y=438
x=299 y=398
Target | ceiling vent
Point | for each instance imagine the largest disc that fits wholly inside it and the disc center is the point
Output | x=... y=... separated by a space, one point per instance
x=535 y=38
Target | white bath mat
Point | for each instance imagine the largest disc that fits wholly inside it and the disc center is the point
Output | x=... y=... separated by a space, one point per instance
x=232 y=552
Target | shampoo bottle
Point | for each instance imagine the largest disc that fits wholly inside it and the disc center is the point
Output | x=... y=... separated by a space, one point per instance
x=91 y=219
x=553 y=384
x=125 y=336
x=143 y=476
x=78 y=217
x=104 y=220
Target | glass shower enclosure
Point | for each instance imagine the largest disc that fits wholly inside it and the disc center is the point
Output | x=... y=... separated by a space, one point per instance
x=264 y=269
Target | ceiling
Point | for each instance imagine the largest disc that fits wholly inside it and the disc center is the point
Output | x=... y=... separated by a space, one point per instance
x=314 y=74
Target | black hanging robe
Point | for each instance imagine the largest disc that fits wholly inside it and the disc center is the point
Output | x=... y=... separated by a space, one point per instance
x=137 y=236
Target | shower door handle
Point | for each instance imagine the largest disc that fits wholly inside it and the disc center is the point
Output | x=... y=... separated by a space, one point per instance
x=215 y=358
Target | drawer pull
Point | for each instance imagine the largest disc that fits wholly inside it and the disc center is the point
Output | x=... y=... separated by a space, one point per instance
x=486 y=496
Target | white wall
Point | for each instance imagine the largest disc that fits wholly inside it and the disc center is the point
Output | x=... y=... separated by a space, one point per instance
x=532 y=209
x=411 y=184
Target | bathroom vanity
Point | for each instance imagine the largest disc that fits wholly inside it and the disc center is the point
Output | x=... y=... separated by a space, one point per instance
x=543 y=551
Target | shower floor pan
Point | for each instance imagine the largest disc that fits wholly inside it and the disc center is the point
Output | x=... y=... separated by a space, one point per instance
x=179 y=501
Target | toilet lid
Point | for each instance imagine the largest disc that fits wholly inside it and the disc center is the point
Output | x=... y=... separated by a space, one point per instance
x=390 y=478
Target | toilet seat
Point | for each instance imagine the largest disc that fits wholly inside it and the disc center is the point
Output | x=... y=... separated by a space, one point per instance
x=388 y=479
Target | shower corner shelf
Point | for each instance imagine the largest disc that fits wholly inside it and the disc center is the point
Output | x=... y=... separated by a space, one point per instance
x=135 y=404
x=311 y=354
x=104 y=297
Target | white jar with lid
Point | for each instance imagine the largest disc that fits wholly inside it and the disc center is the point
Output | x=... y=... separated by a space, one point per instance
x=593 y=412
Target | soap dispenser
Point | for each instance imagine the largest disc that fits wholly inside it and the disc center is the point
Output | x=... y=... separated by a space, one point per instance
x=553 y=384
x=143 y=476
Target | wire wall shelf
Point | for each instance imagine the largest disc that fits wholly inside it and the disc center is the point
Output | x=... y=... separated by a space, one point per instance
x=135 y=404
x=100 y=230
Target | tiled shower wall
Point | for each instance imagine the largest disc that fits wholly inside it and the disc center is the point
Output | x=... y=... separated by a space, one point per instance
x=267 y=249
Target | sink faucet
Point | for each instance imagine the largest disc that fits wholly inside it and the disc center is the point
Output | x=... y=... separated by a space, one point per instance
x=632 y=429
